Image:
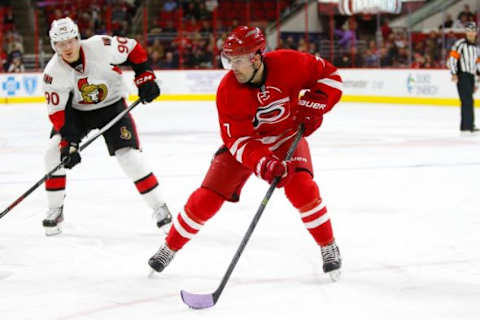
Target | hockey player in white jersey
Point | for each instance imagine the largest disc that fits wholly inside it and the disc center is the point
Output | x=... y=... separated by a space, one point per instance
x=84 y=90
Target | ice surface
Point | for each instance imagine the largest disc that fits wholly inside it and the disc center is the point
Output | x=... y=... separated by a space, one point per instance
x=400 y=183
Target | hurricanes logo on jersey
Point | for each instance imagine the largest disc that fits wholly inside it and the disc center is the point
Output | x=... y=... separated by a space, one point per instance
x=274 y=112
x=91 y=93
x=274 y=106
x=125 y=134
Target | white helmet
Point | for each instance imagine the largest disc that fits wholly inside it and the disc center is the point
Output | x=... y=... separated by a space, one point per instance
x=63 y=29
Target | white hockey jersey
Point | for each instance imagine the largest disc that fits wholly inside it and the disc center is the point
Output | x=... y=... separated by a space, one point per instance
x=95 y=83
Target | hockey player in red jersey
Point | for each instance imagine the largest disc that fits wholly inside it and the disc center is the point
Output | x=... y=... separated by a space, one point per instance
x=84 y=90
x=259 y=109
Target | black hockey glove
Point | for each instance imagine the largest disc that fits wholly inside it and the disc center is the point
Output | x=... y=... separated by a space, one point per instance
x=69 y=153
x=148 y=88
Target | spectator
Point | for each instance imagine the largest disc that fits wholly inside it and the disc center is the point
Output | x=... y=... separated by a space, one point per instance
x=170 y=61
x=461 y=21
x=211 y=5
x=450 y=39
x=16 y=65
x=467 y=13
x=385 y=29
x=155 y=60
x=290 y=43
x=448 y=23
x=169 y=6
x=418 y=60
x=156 y=48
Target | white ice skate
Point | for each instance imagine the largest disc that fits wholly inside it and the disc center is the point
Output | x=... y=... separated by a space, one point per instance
x=163 y=217
x=53 y=222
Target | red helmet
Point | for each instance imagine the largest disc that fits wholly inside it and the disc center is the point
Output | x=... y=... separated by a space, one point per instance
x=244 y=40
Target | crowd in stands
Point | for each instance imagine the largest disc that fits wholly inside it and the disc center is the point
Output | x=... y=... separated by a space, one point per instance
x=93 y=16
x=11 y=53
x=364 y=47
x=190 y=33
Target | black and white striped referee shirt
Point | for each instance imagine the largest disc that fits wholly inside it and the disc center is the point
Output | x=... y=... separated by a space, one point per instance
x=464 y=57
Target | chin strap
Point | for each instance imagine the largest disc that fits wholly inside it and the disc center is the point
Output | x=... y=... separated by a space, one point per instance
x=255 y=71
x=253 y=76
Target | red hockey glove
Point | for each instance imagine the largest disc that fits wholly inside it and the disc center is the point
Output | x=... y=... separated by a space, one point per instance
x=311 y=107
x=269 y=167
x=148 y=88
x=69 y=154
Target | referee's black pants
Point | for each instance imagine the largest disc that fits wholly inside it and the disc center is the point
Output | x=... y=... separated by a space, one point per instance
x=465 y=86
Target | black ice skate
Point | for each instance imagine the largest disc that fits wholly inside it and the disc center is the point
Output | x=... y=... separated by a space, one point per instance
x=163 y=217
x=53 y=222
x=161 y=259
x=332 y=261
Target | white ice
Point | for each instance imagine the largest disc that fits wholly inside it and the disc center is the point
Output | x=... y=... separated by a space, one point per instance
x=401 y=185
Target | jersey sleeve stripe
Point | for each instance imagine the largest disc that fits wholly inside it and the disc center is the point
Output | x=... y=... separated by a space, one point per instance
x=259 y=166
x=57 y=119
x=240 y=153
x=235 y=145
x=331 y=83
x=454 y=54
x=282 y=141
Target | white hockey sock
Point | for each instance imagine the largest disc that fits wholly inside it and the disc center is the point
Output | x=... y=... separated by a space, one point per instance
x=55 y=186
x=133 y=164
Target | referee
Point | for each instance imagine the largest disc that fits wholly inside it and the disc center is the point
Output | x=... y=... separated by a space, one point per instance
x=464 y=63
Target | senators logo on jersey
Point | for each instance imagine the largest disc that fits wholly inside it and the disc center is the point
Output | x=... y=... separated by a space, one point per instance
x=91 y=93
x=125 y=134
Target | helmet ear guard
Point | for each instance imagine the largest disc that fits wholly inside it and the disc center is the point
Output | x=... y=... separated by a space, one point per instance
x=61 y=30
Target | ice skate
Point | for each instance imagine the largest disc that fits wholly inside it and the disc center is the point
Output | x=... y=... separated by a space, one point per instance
x=163 y=217
x=161 y=258
x=332 y=261
x=53 y=222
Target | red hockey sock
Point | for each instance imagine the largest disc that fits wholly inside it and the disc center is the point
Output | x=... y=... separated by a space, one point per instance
x=303 y=193
x=201 y=206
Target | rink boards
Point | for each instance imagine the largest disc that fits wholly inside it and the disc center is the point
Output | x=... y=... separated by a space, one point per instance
x=397 y=86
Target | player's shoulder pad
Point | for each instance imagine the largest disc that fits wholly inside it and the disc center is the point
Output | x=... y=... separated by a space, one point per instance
x=284 y=57
x=54 y=74
x=97 y=40
x=227 y=81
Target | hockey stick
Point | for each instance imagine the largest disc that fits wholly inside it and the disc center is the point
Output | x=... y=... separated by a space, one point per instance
x=202 y=301
x=83 y=146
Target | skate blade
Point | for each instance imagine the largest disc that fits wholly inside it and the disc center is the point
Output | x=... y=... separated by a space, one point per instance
x=53 y=231
x=335 y=275
x=152 y=273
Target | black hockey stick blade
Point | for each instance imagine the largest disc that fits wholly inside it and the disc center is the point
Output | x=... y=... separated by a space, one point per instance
x=208 y=300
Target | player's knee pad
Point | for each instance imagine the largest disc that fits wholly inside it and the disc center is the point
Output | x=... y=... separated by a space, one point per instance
x=132 y=163
x=302 y=190
x=203 y=204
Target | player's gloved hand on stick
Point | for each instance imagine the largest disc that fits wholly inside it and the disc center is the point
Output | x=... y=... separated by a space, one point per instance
x=148 y=88
x=69 y=152
x=269 y=168
x=310 y=111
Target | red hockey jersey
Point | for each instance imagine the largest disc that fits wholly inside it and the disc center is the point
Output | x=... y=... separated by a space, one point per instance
x=254 y=122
